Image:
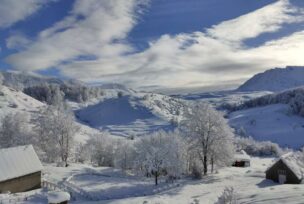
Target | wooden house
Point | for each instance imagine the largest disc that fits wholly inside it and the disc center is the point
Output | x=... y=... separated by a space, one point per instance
x=287 y=169
x=20 y=169
x=241 y=159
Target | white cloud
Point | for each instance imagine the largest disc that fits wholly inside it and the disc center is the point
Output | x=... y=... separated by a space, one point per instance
x=267 y=19
x=17 y=41
x=12 y=11
x=95 y=28
x=209 y=58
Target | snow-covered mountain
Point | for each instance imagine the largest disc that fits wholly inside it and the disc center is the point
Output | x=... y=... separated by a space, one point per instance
x=277 y=79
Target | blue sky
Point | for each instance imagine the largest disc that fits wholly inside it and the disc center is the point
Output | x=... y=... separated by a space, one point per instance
x=151 y=44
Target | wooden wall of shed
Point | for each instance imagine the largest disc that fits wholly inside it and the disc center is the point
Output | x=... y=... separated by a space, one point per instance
x=22 y=184
x=272 y=173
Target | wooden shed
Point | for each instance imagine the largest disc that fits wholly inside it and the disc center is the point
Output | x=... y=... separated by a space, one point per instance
x=287 y=169
x=241 y=159
x=20 y=169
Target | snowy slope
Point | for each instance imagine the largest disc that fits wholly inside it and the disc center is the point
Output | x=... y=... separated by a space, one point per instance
x=12 y=101
x=270 y=123
x=277 y=79
x=132 y=114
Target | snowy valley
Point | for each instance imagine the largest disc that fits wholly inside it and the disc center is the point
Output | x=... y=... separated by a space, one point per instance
x=125 y=141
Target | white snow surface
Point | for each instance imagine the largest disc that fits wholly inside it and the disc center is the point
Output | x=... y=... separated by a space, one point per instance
x=133 y=114
x=249 y=184
x=277 y=79
x=12 y=101
x=58 y=196
x=18 y=161
x=270 y=123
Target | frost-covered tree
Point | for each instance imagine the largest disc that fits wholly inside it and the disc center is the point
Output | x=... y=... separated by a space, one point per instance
x=160 y=154
x=102 y=149
x=124 y=155
x=14 y=130
x=81 y=152
x=207 y=132
x=257 y=148
x=221 y=153
x=56 y=128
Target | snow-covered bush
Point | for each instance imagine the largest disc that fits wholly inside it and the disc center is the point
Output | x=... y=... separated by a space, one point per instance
x=81 y=153
x=102 y=149
x=228 y=196
x=196 y=170
x=258 y=148
x=124 y=155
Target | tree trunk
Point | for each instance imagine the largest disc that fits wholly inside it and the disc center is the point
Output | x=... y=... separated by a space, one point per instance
x=156 y=178
x=212 y=164
x=205 y=163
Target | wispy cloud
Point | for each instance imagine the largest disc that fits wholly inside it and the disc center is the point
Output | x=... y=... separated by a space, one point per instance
x=95 y=29
x=12 y=11
x=17 y=41
x=267 y=19
x=215 y=56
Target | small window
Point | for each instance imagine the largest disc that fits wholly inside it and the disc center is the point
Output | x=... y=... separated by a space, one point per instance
x=282 y=172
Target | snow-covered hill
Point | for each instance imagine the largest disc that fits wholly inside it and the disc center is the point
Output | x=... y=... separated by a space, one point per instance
x=12 y=101
x=270 y=123
x=277 y=79
x=131 y=114
x=224 y=99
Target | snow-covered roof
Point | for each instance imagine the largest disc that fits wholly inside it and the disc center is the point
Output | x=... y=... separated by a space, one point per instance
x=18 y=161
x=294 y=163
x=58 y=196
x=241 y=156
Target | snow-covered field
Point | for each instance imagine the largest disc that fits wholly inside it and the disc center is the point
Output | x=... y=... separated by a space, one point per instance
x=105 y=184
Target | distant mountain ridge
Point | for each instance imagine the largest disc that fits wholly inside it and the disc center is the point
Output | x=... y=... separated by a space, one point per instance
x=275 y=80
x=50 y=89
x=20 y=80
